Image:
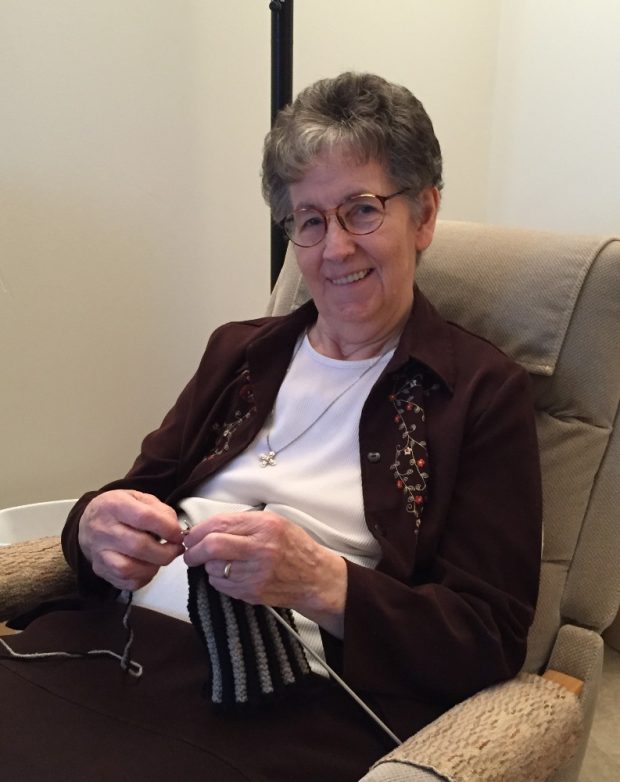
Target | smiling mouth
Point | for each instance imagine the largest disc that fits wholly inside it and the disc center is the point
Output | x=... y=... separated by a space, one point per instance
x=353 y=277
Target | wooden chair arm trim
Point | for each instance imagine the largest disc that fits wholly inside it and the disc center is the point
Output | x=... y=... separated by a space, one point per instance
x=569 y=682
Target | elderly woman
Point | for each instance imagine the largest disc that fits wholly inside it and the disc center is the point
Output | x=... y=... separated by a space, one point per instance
x=389 y=460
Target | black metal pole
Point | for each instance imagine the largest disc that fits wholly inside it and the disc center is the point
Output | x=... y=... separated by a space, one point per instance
x=281 y=94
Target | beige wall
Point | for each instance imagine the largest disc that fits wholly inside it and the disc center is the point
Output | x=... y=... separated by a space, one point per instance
x=444 y=51
x=555 y=156
x=130 y=148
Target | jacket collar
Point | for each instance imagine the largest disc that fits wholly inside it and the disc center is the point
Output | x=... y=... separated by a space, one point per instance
x=426 y=338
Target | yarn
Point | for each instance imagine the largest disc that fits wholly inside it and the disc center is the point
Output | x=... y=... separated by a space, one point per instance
x=127 y=664
x=253 y=659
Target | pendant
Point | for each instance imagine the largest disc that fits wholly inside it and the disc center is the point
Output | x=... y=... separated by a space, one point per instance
x=267 y=459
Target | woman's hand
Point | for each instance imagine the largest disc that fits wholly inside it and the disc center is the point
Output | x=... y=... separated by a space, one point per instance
x=272 y=562
x=127 y=536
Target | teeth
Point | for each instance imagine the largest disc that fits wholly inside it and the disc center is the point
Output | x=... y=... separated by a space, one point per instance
x=354 y=277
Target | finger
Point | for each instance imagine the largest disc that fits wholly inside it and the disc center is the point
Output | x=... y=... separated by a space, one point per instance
x=241 y=583
x=223 y=546
x=237 y=523
x=143 y=547
x=146 y=512
x=105 y=532
x=230 y=578
x=226 y=569
x=123 y=572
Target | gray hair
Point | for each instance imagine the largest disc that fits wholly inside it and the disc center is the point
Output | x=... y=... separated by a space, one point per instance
x=358 y=114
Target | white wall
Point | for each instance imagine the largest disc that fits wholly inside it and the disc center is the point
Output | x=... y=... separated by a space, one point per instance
x=130 y=145
x=555 y=156
x=445 y=52
x=129 y=148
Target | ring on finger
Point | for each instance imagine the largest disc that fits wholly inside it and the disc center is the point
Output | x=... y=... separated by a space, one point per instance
x=227 y=568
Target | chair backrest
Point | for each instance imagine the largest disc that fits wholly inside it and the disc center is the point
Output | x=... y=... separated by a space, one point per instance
x=37 y=520
x=551 y=302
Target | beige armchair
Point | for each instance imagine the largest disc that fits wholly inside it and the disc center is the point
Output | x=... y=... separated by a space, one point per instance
x=552 y=302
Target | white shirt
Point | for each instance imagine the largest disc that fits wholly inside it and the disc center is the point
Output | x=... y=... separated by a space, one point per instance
x=316 y=481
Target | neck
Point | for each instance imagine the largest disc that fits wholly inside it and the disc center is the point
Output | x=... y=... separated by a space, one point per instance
x=351 y=347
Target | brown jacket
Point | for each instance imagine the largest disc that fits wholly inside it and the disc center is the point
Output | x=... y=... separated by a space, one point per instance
x=447 y=609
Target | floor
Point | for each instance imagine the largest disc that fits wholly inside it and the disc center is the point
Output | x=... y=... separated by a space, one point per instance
x=602 y=760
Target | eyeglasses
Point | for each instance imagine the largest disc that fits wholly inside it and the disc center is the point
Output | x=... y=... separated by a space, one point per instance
x=359 y=215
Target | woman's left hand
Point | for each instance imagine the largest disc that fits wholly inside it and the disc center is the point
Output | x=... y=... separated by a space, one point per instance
x=272 y=562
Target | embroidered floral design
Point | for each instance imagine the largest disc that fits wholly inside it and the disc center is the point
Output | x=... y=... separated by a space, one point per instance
x=410 y=466
x=224 y=432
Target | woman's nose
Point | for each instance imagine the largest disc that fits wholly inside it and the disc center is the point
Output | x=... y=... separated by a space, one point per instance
x=339 y=243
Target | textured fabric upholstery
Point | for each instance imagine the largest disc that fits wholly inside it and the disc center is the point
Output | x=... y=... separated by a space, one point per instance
x=468 y=743
x=495 y=281
x=579 y=651
x=612 y=634
x=32 y=571
x=551 y=302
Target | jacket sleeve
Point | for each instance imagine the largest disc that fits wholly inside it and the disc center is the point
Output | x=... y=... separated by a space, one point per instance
x=166 y=454
x=153 y=472
x=461 y=623
x=169 y=455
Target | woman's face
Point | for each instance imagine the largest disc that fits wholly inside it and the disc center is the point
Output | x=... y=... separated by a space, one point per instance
x=362 y=285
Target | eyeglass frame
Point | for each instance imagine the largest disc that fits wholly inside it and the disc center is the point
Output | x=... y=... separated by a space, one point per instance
x=335 y=211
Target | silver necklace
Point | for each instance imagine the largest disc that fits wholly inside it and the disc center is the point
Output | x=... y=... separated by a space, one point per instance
x=268 y=458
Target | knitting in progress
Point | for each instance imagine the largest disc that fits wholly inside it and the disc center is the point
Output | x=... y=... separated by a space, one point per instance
x=252 y=657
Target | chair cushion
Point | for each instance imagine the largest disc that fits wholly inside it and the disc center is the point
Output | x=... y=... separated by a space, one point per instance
x=465 y=263
x=498 y=266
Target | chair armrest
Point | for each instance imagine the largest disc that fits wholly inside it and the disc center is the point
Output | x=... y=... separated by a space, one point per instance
x=32 y=571
x=518 y=731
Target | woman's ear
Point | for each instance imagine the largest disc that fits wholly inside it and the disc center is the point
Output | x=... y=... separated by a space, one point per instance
x=428 y=209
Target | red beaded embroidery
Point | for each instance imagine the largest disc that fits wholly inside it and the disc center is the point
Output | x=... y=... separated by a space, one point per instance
x=411 y=456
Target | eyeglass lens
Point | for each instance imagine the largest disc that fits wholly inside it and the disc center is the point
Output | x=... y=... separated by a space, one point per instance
x=359 y=215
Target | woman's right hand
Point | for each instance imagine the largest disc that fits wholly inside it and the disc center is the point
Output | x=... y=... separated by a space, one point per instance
x=127 y=536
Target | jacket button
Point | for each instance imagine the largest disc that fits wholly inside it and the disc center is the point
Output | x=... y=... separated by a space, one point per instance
x=379 y=529
x=373 y=456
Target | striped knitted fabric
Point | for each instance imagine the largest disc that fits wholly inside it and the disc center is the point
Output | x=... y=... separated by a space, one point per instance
x=253 y=659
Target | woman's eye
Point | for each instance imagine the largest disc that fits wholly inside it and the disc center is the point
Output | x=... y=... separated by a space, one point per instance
x=309 y=222
x=367 y=209
x=363 y=211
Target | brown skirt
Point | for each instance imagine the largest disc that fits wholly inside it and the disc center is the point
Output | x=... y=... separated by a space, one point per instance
x=77 y=719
